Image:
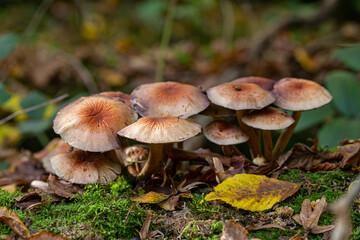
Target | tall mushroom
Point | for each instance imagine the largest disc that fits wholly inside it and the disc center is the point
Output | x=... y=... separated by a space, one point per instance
x=297 y=95
x=268 y=119
x=241 y=97
x=158 y=132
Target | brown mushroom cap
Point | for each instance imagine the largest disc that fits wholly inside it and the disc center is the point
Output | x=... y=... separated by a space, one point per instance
x=91 y=123
x=168 y=99
x=214 y=110
x=240 y=96
x=161 y=130
x=120 y=95
x=299 y=94
x=85 y=167
x=268 y=119
x=265 y=83
x=224 y=133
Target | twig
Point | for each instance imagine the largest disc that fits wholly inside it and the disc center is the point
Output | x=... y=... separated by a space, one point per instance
x=33 y=108
x=165 y=41
x=29 y=30
x=127 y=215
x=341 y=209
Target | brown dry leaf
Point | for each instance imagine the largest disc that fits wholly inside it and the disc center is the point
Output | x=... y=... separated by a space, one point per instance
x=303 y=157
x=351 y=155
x=254 y=227
x=326 y=166
x=252 y=192
x=11 y=219
x=309 y=218
x=233 y=231
x=46 y=236
x=63 y=189
x=170 y=203
x=144 y=232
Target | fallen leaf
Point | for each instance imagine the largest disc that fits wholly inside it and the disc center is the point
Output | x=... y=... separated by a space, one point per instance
x=303 y=157
x=233 y=231
x=254 y=227
x=151 y=197
x=170 y=203
x=144 y=232
x=62 y=189
x=11 y=219
x=351 y=155
x=309 y=218
x=46 y=236
x=252 y=192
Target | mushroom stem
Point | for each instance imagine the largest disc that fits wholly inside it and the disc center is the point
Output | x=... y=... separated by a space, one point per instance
x=268 y=145
x=227 y=150
x=253 y=141
x=117 y=156
x=179 y=145
x=154 y=163
x=285 y=136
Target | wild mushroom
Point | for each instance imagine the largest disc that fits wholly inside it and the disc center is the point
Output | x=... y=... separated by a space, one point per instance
x=226 y=135
x=268 y=119
x=158 y=132
x=168 y=99
x=91 y=123
x=125 y=98
x=241 y=97
x=297 y=95
x=265 y=83
x=136 y=155
x=84 y=167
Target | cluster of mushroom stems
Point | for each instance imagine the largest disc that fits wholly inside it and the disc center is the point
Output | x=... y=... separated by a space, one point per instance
x=97 y=127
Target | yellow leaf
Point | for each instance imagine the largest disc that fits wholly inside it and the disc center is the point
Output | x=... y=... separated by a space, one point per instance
x=49 y=111
x=151 y=197
x=93 y=27
x=13 y=105
x=252 y=192
x=305 y=60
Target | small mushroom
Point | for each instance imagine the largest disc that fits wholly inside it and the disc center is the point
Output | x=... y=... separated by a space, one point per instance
x=268 y=119
x=241 y=97
x=225 y=134
x=297 y=95
x=125 y=98
x=158 y=132
x=265 y=83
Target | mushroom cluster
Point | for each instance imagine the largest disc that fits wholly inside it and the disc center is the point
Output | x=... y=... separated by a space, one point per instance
x=98 y=126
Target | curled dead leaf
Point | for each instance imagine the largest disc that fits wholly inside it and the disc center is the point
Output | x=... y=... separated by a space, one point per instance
x=11 y=219
x=233 y=231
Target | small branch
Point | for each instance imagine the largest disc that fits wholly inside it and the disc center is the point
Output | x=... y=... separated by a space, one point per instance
x=33 y=108
x=165 y=41
x=341 y=209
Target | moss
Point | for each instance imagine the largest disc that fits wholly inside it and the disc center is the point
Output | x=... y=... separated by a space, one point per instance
x=101 y=210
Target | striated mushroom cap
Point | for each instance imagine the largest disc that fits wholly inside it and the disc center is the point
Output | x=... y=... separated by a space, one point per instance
x=83 y=167
x=161 y=130
x=299 y=94
x=268 y=119
x=91 y=123
x=168 y=99
x=240 y=96
x=224 y=133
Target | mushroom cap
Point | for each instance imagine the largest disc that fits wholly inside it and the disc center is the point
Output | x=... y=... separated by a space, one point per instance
x=91 y=123
x=299 y=94
x=161 y=130
x=265 y=83
x=85 y=167
x=136 y=153
x=218 y=111
x=240 y=96
x=168 y=99
x=120 y=95
x=268 y=119
x=224 y=133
